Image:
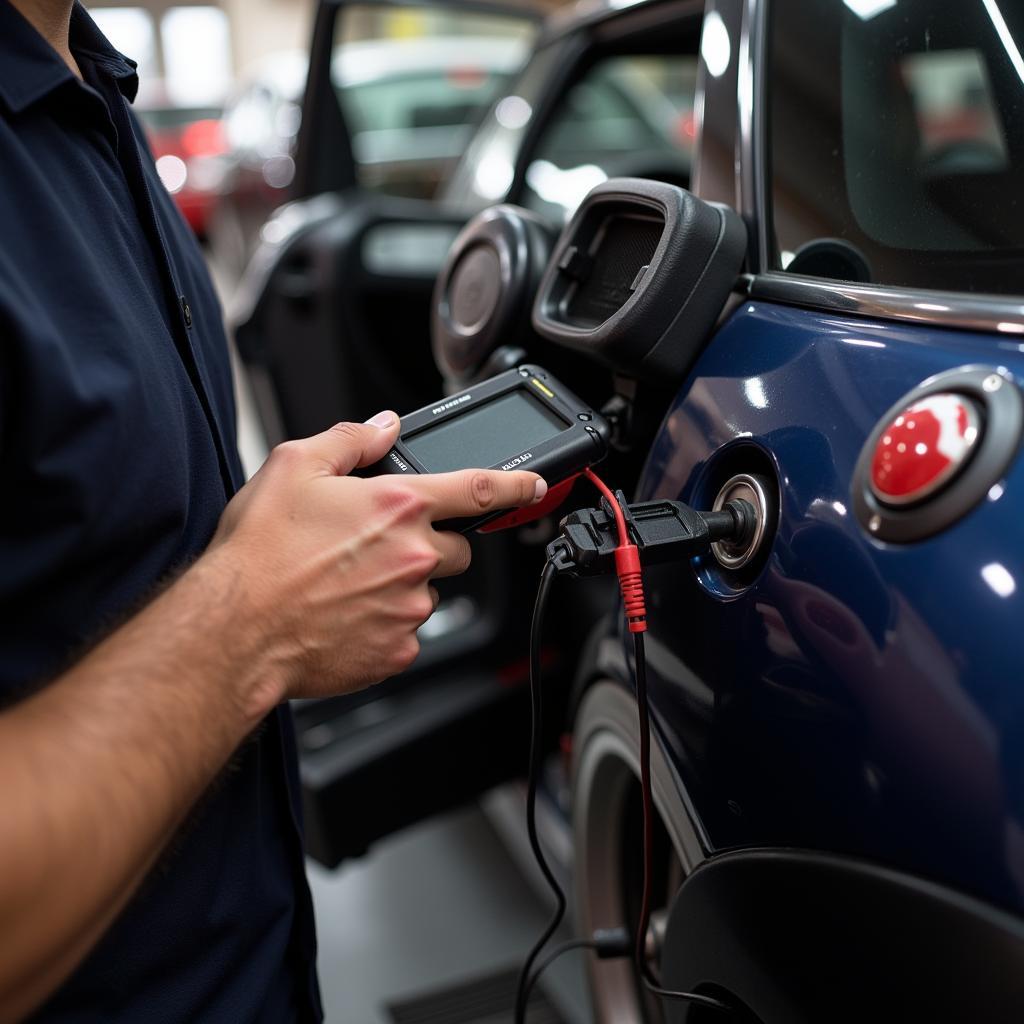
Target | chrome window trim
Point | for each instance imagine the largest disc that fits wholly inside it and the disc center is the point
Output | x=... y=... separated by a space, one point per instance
x=750 y=130
x=716 y=173
x=745 y=187
x=999 y=314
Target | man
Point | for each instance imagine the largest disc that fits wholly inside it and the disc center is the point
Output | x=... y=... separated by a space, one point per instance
x=150 y=860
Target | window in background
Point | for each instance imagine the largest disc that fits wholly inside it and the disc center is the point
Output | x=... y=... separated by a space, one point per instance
x=414 y=82
x=197 y=55
x=897 y=142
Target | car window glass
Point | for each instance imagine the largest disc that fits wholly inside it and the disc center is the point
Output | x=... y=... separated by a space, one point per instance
x=627 y=115
x=896 y=142
x=414 y=81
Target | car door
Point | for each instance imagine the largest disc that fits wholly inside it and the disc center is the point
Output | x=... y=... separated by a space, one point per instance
x=331 y=321
x=856 y=687
x=333 y=315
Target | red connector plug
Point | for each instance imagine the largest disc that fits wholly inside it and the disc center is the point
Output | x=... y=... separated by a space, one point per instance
x=631 y=583
x=627 y=562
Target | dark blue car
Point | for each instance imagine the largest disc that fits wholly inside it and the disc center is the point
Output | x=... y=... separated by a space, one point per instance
x=838 y=704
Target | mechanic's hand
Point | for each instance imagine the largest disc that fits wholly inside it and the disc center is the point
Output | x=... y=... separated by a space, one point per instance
x=334 y=570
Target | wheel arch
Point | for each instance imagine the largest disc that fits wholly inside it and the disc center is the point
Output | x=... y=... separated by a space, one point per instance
x=800 y=936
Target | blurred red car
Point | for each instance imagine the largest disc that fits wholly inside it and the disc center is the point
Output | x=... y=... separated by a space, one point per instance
x=188 y=144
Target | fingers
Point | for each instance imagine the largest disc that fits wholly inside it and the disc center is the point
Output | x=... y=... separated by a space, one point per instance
x=346 y=446
x=455 y=552
x=473 y=492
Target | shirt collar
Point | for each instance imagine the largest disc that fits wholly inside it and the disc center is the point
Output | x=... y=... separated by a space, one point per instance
x=31 y=69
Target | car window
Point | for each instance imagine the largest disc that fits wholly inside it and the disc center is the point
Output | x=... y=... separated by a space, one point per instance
x=413 y=82
x=419 y=100
x=896 y=142
x=627 y=115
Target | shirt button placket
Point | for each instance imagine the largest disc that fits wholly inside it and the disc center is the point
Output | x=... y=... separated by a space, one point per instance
x=186 y=312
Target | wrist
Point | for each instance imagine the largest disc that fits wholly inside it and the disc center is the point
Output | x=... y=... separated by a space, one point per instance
x=239 y=628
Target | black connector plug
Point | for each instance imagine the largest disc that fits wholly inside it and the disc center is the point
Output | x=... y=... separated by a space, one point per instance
x=612 y=943
x=664 y=531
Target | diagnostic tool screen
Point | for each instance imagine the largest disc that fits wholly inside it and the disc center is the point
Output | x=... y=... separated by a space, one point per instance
x=487 y=436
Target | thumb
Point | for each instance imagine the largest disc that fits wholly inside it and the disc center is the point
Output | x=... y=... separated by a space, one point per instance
x=348 y=446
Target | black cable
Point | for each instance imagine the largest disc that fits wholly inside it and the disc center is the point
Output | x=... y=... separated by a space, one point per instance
x=528 y=976
x=536 y=760
x=607 y=943
x=564 y=947
x=644 y=719
x=647 y=803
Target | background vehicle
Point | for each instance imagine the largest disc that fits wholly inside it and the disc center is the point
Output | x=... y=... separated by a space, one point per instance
x=837 y=770
x=188 y=145
x=410 y=105
x=183 y=55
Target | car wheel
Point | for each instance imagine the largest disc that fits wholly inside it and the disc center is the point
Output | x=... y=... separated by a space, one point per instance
x=606 y=827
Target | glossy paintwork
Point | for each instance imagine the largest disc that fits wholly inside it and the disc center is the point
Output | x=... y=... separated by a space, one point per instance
x=855 y=696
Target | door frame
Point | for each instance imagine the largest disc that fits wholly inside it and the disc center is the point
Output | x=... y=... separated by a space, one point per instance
x=323 y=168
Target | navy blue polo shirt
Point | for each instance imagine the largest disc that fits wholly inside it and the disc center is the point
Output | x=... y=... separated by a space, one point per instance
x=117 y=456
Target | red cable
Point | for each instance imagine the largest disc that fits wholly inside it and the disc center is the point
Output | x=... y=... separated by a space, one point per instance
x=627 y=562
x=620 y=519
x=629 y=571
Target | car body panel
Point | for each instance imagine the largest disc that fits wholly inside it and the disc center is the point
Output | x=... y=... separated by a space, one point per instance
x=858 y=697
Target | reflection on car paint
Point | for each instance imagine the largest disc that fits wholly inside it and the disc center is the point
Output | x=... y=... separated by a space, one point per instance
x=866 y=697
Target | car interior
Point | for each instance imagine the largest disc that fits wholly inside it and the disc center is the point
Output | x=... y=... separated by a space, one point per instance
x=342 y=327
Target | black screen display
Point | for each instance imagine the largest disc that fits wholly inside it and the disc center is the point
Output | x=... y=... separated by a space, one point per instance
x=487 y=436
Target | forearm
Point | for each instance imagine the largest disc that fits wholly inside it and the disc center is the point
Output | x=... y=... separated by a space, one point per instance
x=100 y=768
x=315 y=584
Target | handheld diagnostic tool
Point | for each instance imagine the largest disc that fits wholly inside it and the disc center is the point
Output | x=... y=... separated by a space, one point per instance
x=521 y=419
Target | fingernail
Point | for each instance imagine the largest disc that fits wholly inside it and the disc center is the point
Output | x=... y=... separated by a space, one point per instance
x=539 y=490
x=382 y=419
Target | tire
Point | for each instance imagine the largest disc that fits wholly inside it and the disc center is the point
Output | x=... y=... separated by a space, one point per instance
x=606 y=839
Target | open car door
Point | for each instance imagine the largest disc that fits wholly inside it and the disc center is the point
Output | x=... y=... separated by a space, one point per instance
x=332 y=323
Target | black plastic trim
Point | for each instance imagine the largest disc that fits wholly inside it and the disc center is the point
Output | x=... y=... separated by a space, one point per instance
x=658 y=331
x=322 y=167
x=600 y=14
x=804 y=937
x=522 y=241
x=418 y=752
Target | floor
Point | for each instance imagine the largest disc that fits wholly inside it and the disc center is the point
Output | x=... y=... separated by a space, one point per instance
x=439 y=903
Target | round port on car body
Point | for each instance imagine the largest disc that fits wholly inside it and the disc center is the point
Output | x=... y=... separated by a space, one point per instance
x=751 y=489
x=741 y=469
x=936 y=453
